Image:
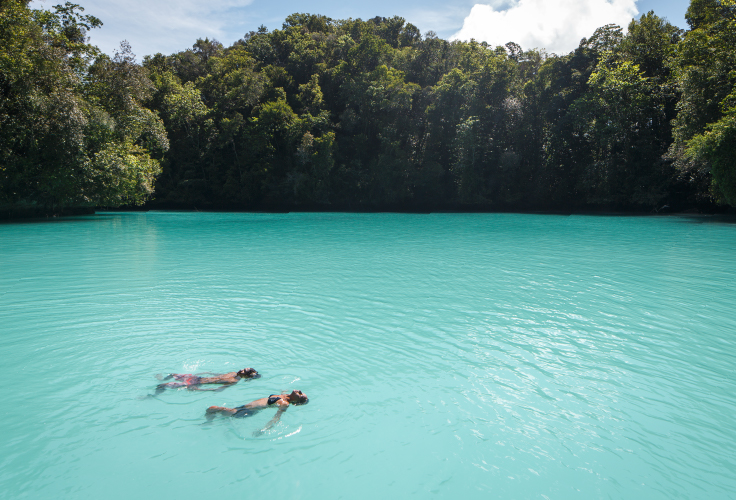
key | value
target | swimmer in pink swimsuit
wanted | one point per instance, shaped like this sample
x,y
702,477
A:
x,y
192,382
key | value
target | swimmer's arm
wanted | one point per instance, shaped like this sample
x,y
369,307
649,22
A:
x,y
274,420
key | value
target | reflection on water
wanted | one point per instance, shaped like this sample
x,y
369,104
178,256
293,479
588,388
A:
x,y
484,355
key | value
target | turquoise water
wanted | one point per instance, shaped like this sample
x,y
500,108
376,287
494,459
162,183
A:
x,y
445,355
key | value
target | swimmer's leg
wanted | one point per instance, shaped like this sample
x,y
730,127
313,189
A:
x,y
217,389
214,410
169,385
160,388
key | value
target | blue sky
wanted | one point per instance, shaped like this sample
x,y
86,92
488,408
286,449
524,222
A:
x,y
171,25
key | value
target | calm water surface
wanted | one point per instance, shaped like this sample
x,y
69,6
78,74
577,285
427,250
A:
x,y
445,356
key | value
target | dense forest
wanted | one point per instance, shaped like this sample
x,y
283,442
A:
x,y
327,114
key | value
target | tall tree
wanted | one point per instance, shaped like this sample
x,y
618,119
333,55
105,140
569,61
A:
x,y
72,134
704,148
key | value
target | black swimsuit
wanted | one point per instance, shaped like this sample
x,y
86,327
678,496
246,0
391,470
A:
x,y
242,411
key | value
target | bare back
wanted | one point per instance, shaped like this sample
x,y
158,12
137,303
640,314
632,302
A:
x,y
225,378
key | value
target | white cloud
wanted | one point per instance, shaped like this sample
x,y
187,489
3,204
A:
x,y
555,25
442,19
160,25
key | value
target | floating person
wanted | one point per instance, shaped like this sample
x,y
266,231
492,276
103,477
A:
x,y
281,401
193,382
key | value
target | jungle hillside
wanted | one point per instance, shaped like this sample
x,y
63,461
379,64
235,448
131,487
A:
x,y
326,114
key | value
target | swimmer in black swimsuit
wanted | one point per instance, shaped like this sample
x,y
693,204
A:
x,y
282,401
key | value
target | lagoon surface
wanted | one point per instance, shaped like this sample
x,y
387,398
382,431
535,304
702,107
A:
x,y
444,355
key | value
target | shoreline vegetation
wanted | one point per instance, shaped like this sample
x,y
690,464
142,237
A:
x,y
368,116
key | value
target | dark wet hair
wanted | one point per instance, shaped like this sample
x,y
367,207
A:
x,y
249,373
301,402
